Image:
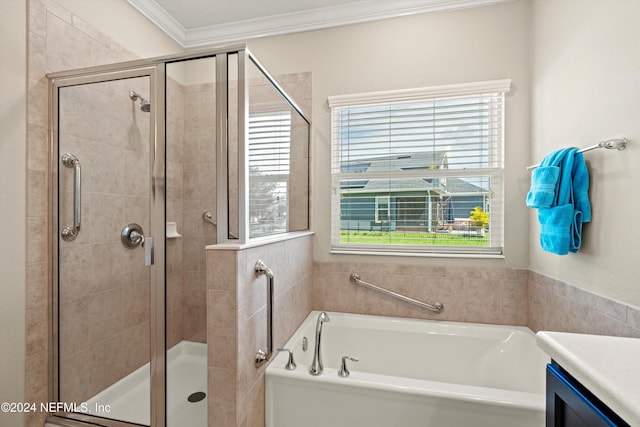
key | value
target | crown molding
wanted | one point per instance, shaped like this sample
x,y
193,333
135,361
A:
x,y
354,13
161,19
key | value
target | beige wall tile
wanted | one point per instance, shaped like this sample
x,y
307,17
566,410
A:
x,y
36,367
74,372
38,149
292,305
559,306
73,327
222,351
37,239
222,269
468,294
253,403
107,363
222,312
37,196
37,107
37,18
138,355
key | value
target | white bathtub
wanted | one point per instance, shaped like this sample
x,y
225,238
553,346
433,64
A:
x,y
410,373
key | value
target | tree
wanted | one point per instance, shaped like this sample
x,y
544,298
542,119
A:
x,y
478,217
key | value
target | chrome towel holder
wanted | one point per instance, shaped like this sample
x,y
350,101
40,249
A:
x,y
609,144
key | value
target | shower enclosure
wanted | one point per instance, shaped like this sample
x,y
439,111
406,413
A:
x,y
153,160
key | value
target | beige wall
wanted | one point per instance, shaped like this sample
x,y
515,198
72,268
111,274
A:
x,y
586,64
468,45
13,130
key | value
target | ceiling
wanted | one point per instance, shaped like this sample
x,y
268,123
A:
x,y
203,22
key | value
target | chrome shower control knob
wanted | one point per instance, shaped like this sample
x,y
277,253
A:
x,y
344,371
132,236
291,364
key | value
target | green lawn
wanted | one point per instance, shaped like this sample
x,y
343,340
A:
x,y
413,238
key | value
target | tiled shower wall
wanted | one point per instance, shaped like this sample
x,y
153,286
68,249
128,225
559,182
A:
x,y
199,192
104,287
191,179
175,274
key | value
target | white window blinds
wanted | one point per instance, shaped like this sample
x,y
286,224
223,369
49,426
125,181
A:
x,y
419,171
269,165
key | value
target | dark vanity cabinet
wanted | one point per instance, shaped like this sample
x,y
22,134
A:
x,y
570,404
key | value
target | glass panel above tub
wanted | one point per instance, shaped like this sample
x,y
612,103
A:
x,y
274,133
277,154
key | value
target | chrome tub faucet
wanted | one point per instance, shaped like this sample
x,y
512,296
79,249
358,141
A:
x,y
316,365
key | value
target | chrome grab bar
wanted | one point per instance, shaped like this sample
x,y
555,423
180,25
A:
x,y
70,233
435,307
263,356
209,218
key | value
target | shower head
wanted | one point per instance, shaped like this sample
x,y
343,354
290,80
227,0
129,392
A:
x,y
144,103
145,106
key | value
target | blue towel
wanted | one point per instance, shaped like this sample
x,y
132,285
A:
x,y
545,180
581,187
563,205
542,193
555,228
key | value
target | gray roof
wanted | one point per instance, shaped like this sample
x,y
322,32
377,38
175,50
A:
x,y
408,161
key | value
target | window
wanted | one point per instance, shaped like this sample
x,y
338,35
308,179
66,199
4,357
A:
x,y
419,171
382,209
269,161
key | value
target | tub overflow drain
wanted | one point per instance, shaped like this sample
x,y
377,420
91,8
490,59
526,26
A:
x,y
197,396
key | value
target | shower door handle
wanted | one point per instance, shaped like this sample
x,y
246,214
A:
x,y
69,234
149,255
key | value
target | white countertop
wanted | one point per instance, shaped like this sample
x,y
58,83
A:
x,y
608,366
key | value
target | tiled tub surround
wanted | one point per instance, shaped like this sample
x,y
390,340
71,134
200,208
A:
x,y
236,302
479,295
558,306
473,294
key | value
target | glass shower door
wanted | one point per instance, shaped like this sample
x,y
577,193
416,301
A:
x,y
105,276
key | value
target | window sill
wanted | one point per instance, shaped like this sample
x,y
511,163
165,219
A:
x,y
344,251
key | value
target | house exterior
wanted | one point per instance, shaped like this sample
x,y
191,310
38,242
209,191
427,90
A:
x,y
428,204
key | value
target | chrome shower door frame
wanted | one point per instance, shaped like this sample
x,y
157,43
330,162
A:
x,y
156,74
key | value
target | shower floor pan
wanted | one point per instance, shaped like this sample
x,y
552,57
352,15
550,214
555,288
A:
x,y
129,398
